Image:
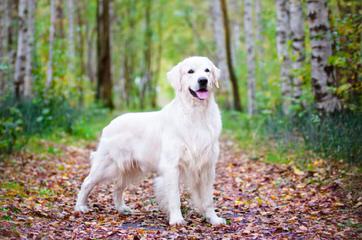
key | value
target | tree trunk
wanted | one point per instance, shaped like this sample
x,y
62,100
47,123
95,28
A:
x,y
250,51
147,78
81,45
4,61
29,49
283,35
104,78
219,36
71,41
51,43
322,73
259,29
20,64
298,48
159,53
235,27
90,33
59,19
233,79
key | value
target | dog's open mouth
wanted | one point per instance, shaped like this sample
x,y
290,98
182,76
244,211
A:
x,y
201,94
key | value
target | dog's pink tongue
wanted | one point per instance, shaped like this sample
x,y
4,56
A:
x,y
202,94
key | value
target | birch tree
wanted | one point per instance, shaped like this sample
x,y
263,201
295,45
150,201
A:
x,y
219,36
104,80
259,29
323,78
71,39
29,49
147,55
51,42
298,48
250,51
235,6
20,64
4,27
233,79
283,35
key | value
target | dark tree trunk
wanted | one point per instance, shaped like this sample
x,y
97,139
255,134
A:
x,y
104,80
233,79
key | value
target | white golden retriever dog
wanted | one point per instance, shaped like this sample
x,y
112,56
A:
x,y
179,143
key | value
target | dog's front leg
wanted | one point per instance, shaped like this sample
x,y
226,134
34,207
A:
x,y
206,190
167,187
207,202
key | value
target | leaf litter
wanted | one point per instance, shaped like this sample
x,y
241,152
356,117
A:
x,y
259,201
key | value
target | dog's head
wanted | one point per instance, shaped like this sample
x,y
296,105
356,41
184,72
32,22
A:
x,y
195,76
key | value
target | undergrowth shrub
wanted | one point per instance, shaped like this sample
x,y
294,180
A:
x,y
20,119
335,136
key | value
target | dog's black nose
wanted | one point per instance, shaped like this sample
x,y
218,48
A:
x,y
202,81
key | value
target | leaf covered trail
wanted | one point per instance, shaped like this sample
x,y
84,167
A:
x,y
259,201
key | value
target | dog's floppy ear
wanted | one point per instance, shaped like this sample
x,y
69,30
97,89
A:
x,y
174,77
216,74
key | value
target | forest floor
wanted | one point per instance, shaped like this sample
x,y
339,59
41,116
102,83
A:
x,y
259,201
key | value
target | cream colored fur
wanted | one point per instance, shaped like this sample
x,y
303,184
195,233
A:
x,y
178,143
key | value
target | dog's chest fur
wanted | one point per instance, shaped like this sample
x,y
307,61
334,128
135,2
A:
x,y
203,129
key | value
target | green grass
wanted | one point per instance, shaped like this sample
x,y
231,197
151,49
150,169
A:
x,y
280,139
249,132
87,128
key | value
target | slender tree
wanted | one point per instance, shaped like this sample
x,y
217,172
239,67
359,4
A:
x,y
259,29
29,49
71,40
4,30
104,78
51,43
323,78
221,62
283,35
298,48
59,19
235,6
250,51
147,55
159,50
20,65
233,79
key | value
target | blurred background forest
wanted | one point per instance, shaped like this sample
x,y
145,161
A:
x,y
290,68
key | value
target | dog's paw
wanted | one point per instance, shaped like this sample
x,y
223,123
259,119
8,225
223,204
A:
x,y
125,210
217,221
81,208
177,221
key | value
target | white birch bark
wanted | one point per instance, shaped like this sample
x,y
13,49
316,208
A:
x,y
221,62
4,26
250,51
283,34
235,27
259,28
298,46
323,77
51,43
20,63
29,49
71,39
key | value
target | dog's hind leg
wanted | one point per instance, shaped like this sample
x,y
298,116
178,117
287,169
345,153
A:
x,y
101,170
118,198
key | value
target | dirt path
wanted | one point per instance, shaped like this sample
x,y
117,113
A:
x,y
260,201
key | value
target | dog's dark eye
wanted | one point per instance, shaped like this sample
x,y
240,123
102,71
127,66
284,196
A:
x,y
191,71
207,70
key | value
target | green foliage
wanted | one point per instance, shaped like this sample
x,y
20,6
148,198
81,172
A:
x,y
20,119
336,137
347,58
281,139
